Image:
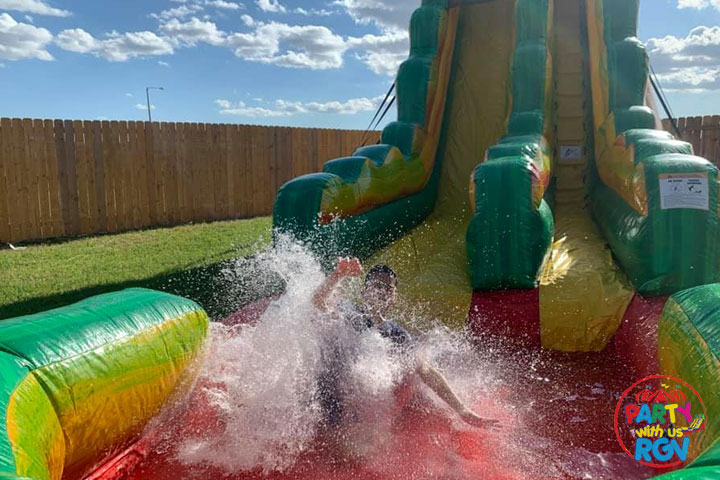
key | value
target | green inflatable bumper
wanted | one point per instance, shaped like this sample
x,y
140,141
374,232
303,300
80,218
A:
x,y
510,235
81,380
689,348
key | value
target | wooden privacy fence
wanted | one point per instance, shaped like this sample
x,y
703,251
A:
x,y
63,178
702,132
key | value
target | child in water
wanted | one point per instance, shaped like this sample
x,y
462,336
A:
x,y
379,294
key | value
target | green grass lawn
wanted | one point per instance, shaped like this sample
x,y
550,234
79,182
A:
x,y
50,275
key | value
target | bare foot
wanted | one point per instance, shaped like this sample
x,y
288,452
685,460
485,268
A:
x,y
472,418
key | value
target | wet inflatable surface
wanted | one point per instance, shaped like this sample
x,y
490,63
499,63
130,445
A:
x,y
556,422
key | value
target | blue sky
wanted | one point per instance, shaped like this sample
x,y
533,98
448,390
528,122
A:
x,y
276,62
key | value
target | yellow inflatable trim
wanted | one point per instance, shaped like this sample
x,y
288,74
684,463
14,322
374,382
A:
x,y
583,293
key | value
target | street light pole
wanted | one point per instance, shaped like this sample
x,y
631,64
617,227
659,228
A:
x,y
147,95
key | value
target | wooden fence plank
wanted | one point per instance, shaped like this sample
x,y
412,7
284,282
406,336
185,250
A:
x,y
32,175
207,148
61,153
179,166
695,126
173,177
126,189
93,217
193,171
160,149
190,179
283,157
112,176
44,180
184,187
151,173
72,181
6,184
99,174
133,166
38,162
228,133
244,190
141,175
51,165
208,160
184,174
81,176
30,179
219,187
18,213
272,166
258,168
215,159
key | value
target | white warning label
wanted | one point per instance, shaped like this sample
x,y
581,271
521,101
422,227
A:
x,y
688,190
570,152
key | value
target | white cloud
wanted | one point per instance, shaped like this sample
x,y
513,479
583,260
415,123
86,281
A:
x,y
273,6
21,40
699,4
284,108
299,46
382,53
193,31
393,15
163,64
77,40
143,106
33,6
313,11
224,5
178,12
117,47
314,47
691,62
128,94
691,79
247,20
317,47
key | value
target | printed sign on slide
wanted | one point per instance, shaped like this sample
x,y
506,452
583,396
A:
x,y
687,190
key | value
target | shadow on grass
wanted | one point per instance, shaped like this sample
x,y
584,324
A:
x,y
221,289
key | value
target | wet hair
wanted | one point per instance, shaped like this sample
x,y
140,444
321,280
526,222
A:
x,y
379,270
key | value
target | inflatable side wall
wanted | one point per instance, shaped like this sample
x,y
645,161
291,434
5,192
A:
x,y
363,202
689,348
80,381
511,231
654,201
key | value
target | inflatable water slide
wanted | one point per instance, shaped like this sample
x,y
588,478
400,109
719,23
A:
x,y
525,190
528,189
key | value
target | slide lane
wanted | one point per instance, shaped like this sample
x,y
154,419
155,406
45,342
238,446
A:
x,y
431,260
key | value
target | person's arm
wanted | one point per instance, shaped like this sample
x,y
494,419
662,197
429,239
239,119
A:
x,y
346,267
436,381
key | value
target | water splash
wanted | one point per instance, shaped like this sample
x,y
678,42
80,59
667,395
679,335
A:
x,y
262,379
259,383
